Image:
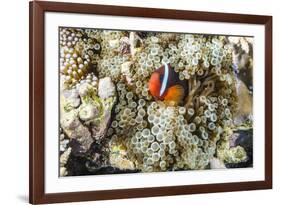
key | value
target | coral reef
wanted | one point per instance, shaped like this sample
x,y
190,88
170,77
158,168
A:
x,y
110,122
93,112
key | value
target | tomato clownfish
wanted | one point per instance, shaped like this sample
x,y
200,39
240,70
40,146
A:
x,y
165,85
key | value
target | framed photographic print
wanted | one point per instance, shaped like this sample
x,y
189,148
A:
x,y
138,102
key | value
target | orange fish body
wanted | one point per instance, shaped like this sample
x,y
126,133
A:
x,y
164,85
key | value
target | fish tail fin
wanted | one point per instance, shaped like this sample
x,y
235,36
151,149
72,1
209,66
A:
x,y
175,94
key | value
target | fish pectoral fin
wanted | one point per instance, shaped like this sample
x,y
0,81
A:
x,y
175,93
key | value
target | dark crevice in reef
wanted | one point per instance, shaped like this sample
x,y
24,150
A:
x,y
244,140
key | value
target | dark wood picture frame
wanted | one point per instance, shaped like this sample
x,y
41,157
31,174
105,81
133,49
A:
x,y
37,95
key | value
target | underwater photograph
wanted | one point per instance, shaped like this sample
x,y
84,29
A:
x,y
142,101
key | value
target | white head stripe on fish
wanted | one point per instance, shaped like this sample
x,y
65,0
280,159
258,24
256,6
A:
x,y
165,80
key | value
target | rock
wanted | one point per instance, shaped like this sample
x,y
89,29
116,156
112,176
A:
x,y
63,144
126,71
76,130
85,89
121,163
71,98
233,139
135,43
118,157
83,136
107,99
215,163
125,45
245,104
91,118
101,124
99,130
62,136
64,157
243,138
63,171
106,88
69,121
88,112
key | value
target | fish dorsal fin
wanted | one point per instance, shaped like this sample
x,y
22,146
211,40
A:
x,y
165,79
